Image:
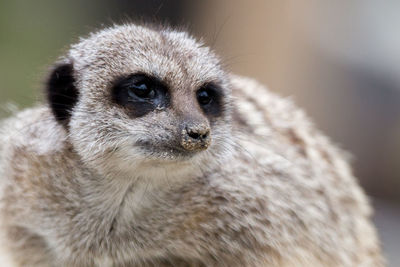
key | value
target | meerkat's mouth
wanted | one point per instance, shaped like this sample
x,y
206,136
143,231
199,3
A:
x,y
167,152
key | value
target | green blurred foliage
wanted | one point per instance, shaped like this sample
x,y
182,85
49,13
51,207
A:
x,y
32,36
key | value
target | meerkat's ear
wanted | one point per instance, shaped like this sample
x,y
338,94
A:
x,y
61,92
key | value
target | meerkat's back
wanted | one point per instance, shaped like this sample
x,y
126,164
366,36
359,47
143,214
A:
x,y
316,186
147,153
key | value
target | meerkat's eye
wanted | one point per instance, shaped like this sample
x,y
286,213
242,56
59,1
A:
x,y
209,97
204,97
142,89
139,94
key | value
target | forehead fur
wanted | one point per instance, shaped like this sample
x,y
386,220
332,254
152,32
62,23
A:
x,y
173,56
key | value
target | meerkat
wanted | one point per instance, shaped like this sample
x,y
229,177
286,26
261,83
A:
x,y
149,153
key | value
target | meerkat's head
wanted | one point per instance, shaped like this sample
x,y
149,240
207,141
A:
x,y
142,101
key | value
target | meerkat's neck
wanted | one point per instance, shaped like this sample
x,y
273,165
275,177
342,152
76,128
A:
x,y
123,199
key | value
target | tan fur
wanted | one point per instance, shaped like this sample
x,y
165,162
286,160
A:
x,y
270,189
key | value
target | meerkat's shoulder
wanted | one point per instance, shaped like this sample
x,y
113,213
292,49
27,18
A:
x,y
275,108
33,130
266,111
288,131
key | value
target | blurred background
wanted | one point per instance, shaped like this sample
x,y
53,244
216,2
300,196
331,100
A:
x,y
339,60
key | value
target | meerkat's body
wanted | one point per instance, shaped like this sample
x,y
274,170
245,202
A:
x,y
265,189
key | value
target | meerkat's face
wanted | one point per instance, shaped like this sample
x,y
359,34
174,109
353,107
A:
x,y
134,99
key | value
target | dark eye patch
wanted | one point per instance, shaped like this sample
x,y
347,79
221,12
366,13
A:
x,y
209,96
140,94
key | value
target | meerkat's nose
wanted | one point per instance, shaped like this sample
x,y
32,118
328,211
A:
x,y
195,137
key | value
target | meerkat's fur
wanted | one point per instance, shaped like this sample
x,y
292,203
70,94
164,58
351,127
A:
x,y
99,176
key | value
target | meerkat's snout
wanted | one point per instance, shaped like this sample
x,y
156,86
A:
x,y
195,136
